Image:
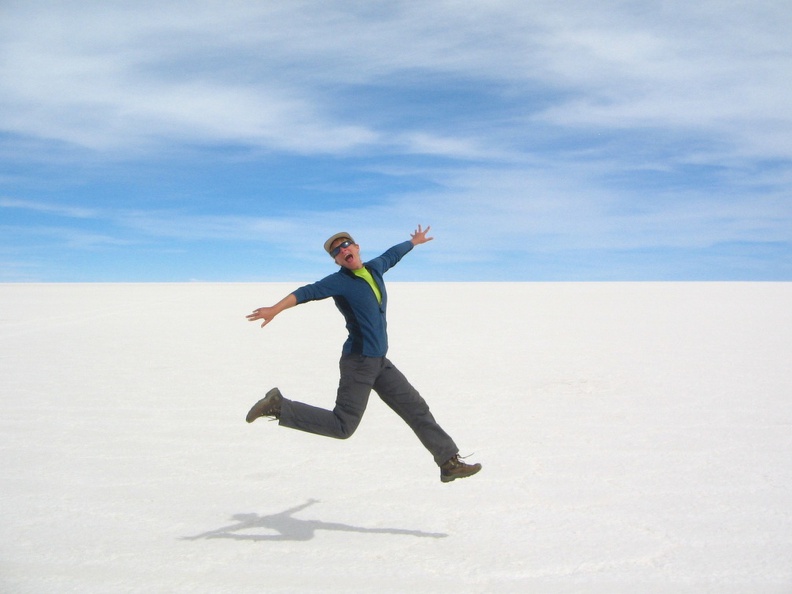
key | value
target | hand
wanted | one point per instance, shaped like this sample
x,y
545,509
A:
x,y
262,313
420,235
268,313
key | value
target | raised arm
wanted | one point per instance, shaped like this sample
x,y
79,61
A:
x,y
268,313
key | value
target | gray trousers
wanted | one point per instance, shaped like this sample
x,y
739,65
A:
x,y
360,375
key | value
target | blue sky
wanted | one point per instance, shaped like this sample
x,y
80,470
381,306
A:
x,y
541,140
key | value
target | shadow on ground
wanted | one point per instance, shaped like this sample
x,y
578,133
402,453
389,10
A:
x,y
284,526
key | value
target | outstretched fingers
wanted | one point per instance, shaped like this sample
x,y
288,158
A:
x,y
420,235
261,313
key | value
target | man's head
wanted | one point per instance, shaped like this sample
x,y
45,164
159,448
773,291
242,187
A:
x,y
343,249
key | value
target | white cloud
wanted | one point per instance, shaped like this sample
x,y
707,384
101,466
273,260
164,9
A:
x,y
103,76
76,212
547,121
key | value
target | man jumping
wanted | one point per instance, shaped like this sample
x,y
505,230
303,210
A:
x,y
358,290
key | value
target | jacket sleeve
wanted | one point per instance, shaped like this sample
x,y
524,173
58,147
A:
x,y
391,257
322,289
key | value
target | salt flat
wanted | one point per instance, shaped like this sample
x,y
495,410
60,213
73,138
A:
x,y
635,437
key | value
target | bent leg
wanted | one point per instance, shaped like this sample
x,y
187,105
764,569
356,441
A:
x,y
394,389
354,387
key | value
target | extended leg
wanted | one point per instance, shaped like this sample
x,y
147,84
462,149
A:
x,y
399,394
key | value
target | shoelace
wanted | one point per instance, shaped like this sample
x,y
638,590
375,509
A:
x,y
456,461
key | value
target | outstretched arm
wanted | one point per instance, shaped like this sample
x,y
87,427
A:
x,y
420,235
268,313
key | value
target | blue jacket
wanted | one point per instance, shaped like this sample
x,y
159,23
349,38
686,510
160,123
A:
x,y
365,317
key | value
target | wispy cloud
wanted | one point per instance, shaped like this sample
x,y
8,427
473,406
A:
x,y
98,76
48,208
545,126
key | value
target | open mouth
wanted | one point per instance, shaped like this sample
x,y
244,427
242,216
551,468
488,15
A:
x,y
348,258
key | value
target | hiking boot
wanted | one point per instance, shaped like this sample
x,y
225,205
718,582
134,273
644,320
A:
x,y
269,406
454,468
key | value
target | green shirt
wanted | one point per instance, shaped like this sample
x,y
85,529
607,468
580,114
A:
x,y
366,276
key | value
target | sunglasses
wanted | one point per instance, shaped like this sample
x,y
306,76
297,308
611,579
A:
x,y
337,249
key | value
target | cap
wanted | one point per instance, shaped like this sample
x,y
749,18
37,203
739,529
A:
x,y
330,241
